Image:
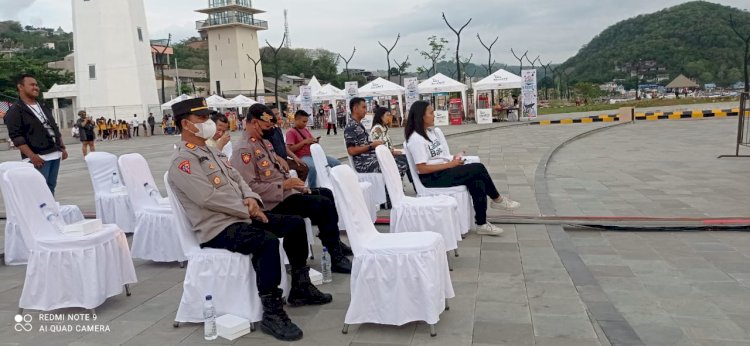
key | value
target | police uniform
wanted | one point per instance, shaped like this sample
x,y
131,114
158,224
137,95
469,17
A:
x,y
212,194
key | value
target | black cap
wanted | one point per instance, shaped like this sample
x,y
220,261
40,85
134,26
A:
x,y
197,106
260,112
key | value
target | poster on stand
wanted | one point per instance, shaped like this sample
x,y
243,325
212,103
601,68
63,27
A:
x,y
441,118
529,93
412,92
484,116
306,101
352,90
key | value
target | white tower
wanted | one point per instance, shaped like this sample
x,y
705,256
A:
x,y
232,32
114,71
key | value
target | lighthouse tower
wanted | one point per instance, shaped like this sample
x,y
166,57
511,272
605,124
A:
x,y
113,65
232,33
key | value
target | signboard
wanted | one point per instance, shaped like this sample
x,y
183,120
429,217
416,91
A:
x,y
306,100
412,92
441,118
529,93
484,116
367,121
352,90
261,99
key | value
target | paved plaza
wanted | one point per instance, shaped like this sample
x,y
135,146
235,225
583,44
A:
x,y
537,284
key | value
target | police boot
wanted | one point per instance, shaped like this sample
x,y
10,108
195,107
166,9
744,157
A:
x,y
345,249
275,320
303,292
339,262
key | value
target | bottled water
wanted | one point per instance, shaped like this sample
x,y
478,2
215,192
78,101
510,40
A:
x,y
152,192
209,319
52,217
115,179
325,264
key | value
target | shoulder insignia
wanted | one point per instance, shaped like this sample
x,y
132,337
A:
x,y
246,158
184,166
252,139
268,172
269,145
217,180
257,151
211,166
264,163
190,146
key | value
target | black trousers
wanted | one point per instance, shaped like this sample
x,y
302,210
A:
x,y
331,125
135,130
261,241
152,129
475,177
320,208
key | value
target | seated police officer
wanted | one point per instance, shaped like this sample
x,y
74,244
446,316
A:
x,y
226,214
257,162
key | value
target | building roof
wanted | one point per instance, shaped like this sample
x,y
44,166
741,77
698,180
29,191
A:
x,y
58,91
682,82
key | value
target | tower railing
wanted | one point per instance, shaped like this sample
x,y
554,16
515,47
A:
x,y
232,19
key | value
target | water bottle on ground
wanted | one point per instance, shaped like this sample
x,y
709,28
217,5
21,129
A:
x,y
209,319
115,179
152,192
52,217
325,264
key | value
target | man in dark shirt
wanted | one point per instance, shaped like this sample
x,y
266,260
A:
x,y
276,137
151,122
357,138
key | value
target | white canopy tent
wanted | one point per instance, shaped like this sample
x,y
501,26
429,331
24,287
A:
x,y
216,101
177,99
329,92
501,79
314,85
241,101
383,88
441,83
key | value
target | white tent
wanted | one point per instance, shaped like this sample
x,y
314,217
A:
x,y
329,92
381,87
441,83
314,85
180,98
501,79
216,101
241,101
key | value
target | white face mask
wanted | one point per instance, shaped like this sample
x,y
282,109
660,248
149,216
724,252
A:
x,y
205,130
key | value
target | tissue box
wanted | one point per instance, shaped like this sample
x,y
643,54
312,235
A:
x,y
471,159
118,190
316,277
82,227
232,327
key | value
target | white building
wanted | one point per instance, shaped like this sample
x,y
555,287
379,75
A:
x,y
113,66
232,33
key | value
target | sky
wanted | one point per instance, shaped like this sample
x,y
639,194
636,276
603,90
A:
x,y
552,29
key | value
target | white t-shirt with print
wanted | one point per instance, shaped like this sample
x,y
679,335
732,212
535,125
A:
x,y
432,152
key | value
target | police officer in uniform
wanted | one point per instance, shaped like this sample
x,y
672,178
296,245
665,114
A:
x,y
226,214
257,162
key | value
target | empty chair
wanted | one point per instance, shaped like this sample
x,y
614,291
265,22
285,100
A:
x,y
376,179
64,271
112,201
228,276
396,278
324,180
16,251
156,235
460,193
409,214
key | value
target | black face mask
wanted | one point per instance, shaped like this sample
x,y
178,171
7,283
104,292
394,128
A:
x,y
267,134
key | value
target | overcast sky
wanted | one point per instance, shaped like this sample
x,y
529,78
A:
x,y
551,28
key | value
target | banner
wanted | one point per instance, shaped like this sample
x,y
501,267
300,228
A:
x,y
412,92
484,116
261,99
306,101
441,118
352,90
529,93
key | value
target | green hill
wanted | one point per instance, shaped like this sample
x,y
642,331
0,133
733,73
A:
x,y
694,39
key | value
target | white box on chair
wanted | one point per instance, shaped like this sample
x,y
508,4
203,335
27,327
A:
x,y
82,227
232,327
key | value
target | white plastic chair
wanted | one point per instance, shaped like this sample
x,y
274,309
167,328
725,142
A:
x,y
156,235
64,271
323,179
16,251
112,206
460,193
376,179
396,278
228,276
409,214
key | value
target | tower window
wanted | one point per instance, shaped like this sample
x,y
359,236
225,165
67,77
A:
x,y
92,71
140,34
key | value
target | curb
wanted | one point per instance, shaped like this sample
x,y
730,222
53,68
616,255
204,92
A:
x,y
648,116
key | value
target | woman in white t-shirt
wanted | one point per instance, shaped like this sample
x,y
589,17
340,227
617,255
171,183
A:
x,y
438,168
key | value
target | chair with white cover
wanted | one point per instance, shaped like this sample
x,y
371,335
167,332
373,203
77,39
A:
x,y
396,278
460,193
111,197
409,214
323,179
228,276
65,271
16,251
376,179
155,235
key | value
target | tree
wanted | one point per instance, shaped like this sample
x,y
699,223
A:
x,y
402,69
255,67
388,53
520,60
745,37
464,64
347,61
532,62
435,52
458,43
545,80
11,67
276,70
489,53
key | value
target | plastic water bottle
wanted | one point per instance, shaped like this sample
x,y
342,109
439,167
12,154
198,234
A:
x,y
52,217
325,264
115,179
209,319
152,192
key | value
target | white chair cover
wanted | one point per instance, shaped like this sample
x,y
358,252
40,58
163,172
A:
x,y
459,193
65,271
410,214
228,276
16,251
396,278
324,180
111,207
156,234
376,179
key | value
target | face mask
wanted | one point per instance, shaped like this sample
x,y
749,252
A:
x,y
267,134
205,130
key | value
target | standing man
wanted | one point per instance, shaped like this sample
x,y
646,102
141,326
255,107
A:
x,y
226,214
151,122
85,132
135,124
331,120
357,139
34,132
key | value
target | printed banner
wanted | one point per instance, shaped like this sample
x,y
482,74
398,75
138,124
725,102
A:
x,y
529,93
261,99
484,116
412,92
306,100
441,118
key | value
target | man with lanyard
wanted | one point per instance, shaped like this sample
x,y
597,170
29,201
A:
x,y
225,213
34,132
259,165
357,139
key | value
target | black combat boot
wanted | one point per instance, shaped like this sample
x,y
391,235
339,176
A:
x,y
303,292
275,320
345,249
